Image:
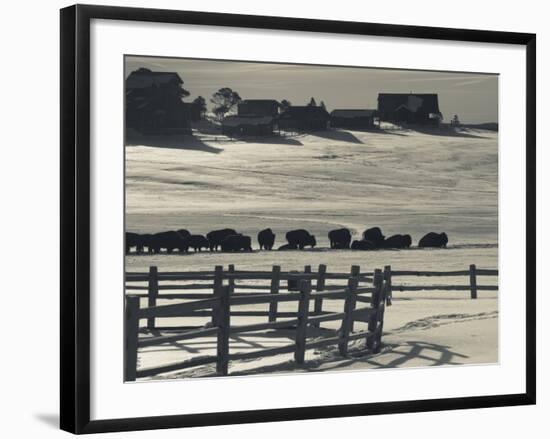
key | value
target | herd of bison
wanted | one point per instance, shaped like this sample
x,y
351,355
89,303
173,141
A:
x,y
229,240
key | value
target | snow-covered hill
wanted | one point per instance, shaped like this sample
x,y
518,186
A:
x,y
403,181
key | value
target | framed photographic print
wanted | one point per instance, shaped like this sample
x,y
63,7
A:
x,y
272,218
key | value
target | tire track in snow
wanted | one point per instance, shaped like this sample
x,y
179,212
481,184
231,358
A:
x,y
442,320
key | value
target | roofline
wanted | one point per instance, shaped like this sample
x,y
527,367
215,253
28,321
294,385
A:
x,y
408,94
306,106
354,109
156,73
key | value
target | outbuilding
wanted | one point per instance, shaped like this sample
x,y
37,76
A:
x,y
304,118
258,107
235,126
360,119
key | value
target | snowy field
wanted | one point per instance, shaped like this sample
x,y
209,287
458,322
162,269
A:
x,y
402,181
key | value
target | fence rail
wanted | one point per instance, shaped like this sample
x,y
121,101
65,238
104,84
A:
x,y
473,273
156,286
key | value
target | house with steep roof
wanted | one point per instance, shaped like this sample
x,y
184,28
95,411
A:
x,y
154,103
409,108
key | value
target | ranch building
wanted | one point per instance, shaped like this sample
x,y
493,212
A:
x,y
236,126
258,107
306,118
409,108
361,119
154,105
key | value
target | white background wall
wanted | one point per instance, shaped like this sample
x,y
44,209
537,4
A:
x,y
29,184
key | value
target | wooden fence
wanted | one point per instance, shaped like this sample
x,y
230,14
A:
x,y
472,274
212,294
219,305
204,284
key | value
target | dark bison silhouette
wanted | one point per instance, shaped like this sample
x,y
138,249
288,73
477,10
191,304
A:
x,y
196,242
398,241
339,238
133,240
375,236
363,245
216,237
169,240
300,238
184,232
288,247
235,243
433,239
266,239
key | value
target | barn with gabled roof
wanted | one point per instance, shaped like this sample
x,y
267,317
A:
x,y
409,108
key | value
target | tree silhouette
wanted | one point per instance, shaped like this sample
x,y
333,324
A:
x,y
322,105
220,112
285,104
312,103
224,100
200,105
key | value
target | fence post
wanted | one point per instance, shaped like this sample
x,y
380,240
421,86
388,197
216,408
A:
x,y
218,280
231,270
320,286
380,314
152,293
303,314
387,278
275,282
131,338
347,320
355,271
375,304
222,364
473,282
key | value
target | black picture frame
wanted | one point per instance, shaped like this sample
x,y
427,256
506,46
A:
x,y
75,217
